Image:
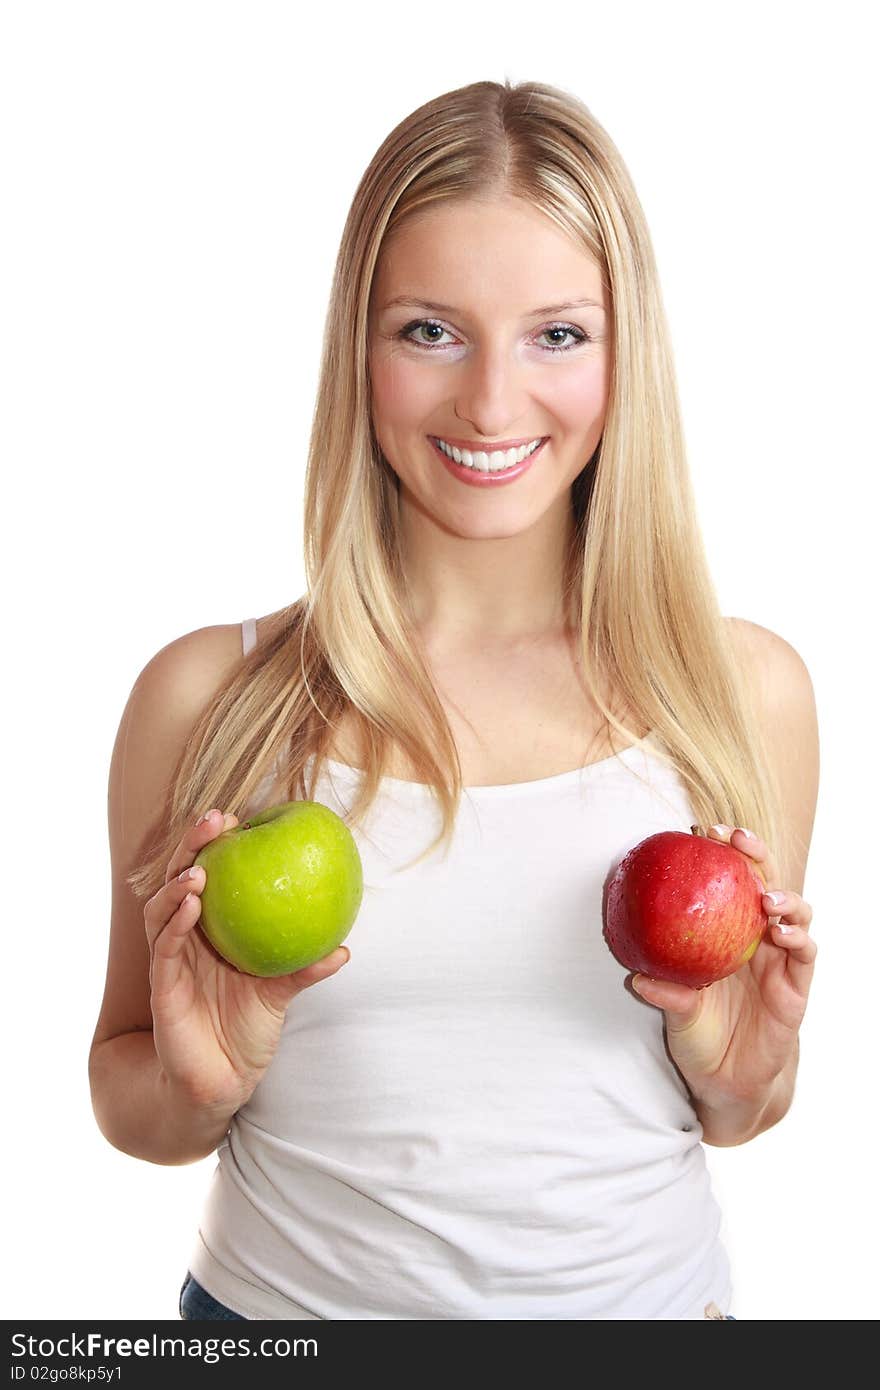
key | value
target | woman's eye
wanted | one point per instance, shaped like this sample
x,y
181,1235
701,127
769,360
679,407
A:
x,y
429,325
568,330
411,328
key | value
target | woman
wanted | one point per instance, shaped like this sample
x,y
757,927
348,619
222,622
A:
x,y
509,668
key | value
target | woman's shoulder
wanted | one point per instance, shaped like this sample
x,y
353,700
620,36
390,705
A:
x,y
191,668
786,706
213,646
752,635
219,646
778,678
205,658
778,668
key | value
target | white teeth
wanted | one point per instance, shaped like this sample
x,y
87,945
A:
x,y
488,463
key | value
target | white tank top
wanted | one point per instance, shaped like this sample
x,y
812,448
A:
x,y
474,1119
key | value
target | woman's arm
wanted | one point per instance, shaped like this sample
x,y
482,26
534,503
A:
x,y
787,705
138,1111
134,1105
735,1043
735,1122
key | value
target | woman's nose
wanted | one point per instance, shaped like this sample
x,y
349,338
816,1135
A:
x,y
490,392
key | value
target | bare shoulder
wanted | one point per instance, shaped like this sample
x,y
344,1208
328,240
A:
x,y
786,703
179,682
166,702
776,667
195,663
201,660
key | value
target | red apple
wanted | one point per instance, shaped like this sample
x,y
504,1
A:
x,y
684,908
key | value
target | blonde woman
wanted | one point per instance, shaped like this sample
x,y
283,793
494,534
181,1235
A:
x,y
509,668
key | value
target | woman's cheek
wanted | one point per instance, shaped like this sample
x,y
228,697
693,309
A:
x,y
402,392
579,396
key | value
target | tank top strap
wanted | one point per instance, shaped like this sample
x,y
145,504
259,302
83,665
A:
x,y
248,635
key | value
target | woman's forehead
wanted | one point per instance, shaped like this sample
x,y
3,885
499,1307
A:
x,y
459,258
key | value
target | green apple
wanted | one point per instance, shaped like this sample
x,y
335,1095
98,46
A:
x,y
282,889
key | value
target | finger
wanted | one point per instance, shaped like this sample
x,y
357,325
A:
x,y
179,925
790,907
681,1003
719,832
165,905
167,944
801,951
320,969
280,990
206,828
751,844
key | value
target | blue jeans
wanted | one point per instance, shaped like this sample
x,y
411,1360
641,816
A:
x,y
195,1304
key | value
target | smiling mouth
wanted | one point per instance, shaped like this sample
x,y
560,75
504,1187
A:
x,y
488,461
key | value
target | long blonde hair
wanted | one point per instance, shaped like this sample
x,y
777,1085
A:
x,y
637,584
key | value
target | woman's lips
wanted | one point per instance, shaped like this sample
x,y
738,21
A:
x,y
477,478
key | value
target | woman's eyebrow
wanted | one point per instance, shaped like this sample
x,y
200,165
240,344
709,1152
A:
x,y
413,301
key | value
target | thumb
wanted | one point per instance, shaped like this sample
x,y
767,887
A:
x,y
280,990
681,1004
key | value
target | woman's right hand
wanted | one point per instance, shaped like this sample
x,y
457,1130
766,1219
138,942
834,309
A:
x,y
215,1029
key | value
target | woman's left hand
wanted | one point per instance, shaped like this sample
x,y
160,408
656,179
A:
x,y
731,1040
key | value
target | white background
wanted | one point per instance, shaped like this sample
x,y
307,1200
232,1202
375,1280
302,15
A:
x,y
175,179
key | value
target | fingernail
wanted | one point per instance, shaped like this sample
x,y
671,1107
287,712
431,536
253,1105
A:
x,y
188,873
749,834
782,929
722,829
207,816
774,898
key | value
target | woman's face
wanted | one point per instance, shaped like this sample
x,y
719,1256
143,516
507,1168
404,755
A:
x,y
493,365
